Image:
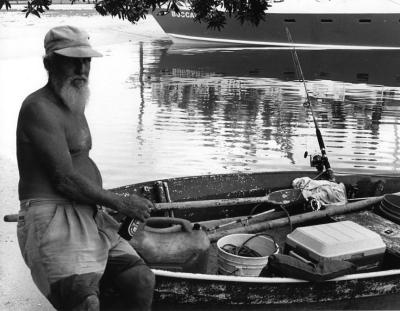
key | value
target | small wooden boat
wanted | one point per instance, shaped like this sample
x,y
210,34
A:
x,y
226,195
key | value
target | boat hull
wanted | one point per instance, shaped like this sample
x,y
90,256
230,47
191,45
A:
x,y
189,289
184,288
337,30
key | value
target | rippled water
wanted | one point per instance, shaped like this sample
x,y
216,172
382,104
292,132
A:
x,y
223,110
159,110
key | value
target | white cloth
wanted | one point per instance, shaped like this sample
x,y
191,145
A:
x,y
325,191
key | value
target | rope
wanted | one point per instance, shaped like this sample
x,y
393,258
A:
x,y
288,216
254,209
243,250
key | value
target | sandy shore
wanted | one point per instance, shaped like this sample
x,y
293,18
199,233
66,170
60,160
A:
x,y
18,291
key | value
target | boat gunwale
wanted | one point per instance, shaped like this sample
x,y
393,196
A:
x,y
277,280
338,173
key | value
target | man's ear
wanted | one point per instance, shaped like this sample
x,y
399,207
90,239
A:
x,y
46,63
49,62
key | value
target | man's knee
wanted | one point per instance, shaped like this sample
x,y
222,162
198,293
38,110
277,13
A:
x,y
90,303
146,278
142,278
137,284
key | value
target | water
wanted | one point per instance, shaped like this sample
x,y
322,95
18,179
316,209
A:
x,y
160,110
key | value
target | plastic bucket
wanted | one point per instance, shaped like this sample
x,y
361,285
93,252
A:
x,y
231,264
390,207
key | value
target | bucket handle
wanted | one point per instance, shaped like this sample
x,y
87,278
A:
x,y
185,225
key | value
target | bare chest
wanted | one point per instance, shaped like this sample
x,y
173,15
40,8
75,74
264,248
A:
x,y
78,135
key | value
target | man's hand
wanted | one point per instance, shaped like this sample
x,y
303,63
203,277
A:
x,y
137,207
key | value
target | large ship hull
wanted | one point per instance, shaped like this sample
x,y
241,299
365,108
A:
x,y
319,29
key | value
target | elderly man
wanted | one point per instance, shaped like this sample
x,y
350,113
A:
x,y
65,236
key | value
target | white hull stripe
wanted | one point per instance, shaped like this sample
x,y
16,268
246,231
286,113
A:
x,y
227,278
300,45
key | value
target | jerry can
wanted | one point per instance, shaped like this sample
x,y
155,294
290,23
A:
x,y
172,244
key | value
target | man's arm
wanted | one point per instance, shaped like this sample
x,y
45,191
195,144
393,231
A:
x,y
42,125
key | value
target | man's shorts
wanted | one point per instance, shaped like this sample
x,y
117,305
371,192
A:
x,y
67,246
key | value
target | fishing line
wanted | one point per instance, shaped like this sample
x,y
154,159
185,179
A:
x,y
321,143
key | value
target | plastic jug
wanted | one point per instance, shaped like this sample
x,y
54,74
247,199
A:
x,y
172,244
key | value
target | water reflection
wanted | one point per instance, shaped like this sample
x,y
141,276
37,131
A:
x,y
159,110
352,66
241,109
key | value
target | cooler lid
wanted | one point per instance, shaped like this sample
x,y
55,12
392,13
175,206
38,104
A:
x,y
337,239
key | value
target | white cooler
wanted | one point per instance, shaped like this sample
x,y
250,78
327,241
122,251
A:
x,y
344,240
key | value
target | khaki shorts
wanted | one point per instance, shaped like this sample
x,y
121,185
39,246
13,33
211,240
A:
x,y
67,246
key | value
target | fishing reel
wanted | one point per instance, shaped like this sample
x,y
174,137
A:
x,y
316,161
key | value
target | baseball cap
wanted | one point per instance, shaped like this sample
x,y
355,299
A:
x,y
69,41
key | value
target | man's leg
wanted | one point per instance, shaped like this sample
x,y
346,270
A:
x,y
62,247
136,285
76,293
129,274
91,303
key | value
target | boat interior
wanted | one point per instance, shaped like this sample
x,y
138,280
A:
x,y
373,219
272,218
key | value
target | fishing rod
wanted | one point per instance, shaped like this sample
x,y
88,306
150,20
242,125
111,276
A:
x,y
299,71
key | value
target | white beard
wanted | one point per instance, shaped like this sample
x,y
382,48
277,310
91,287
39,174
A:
x,y
74,97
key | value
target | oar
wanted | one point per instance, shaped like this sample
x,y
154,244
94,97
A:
x,y
330,210
286,197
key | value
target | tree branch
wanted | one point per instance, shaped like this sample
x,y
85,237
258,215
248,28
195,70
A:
x,y
212,12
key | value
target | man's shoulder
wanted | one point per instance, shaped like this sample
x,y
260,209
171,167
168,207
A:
x,y
40,107
42,101
39,98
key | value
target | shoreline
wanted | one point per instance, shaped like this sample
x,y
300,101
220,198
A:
x,y
19,293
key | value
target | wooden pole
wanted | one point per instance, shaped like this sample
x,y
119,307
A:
x,y
279,197
11,218
189,205
210,203
330,210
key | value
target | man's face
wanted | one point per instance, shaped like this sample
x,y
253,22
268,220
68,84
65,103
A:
x,y
72,70
69,76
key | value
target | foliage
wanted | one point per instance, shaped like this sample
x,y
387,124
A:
x,y
212,12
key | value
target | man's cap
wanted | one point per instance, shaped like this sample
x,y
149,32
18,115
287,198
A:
x,y
69,41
